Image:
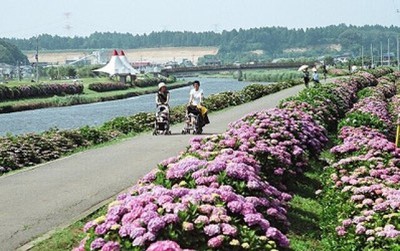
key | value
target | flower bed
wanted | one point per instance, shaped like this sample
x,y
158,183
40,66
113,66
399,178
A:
x,y
362,195
215,195
39,90
338,72
146,82
26,150
328,103
227,191
104,87
372,110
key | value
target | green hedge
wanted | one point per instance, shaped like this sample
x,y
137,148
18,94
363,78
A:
x,y
149,81
105,87
39,90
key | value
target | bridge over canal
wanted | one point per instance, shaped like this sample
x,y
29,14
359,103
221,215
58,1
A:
x,y
235,68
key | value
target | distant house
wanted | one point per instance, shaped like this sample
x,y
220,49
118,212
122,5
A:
x,y
171,64
78,62
212,62
388,58
6,68
343,58
6,71
186,63
140,64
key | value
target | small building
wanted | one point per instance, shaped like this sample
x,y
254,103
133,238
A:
x,y
140,64
343,58
78,62
6,71
186,63
212,62
171,64
388,58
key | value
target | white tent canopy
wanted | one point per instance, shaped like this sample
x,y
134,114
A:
x,y
126,63
116,67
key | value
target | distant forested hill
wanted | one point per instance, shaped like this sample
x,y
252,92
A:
x,y
10,54
266,42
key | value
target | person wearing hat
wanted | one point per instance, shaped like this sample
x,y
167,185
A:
x,y
315,76
162,97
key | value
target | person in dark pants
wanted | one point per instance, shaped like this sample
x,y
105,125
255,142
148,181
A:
x,y
195,104
306,77
325,71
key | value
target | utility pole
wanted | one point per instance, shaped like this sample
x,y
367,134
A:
x,y
362,56
37,59
388,54
19,71
372,56
398,55
381,54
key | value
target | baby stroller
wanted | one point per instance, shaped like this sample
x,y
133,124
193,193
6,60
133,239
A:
x,y
192,122
161,125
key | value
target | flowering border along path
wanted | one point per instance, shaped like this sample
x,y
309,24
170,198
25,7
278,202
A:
x,y
362,192
228,191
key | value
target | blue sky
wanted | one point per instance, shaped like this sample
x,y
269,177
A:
x,y
26,18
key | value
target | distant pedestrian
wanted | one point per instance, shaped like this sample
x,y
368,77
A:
x,y
325,71
306,77
315,76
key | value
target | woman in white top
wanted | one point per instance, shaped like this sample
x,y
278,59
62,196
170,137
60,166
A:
x,y
196,94
195,103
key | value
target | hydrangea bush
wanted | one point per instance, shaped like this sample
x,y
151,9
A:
x,y
227,191
362,192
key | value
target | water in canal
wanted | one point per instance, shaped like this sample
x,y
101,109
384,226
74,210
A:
x,y
98,113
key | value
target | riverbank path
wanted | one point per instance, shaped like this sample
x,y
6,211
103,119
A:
x,y
37,200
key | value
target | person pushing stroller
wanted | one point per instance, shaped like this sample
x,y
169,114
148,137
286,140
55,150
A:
x,y
162,97
196,108
162,122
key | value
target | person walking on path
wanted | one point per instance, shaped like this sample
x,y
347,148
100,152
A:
x,y
306,77
195,106
325,71
315,76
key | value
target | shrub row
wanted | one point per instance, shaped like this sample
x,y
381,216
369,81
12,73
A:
x,y
227,191
146,82
338,72
272,76
332,100
361,196
247,94
31,149
27,150
105,87
39,90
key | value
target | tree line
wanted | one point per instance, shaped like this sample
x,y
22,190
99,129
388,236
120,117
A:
x,y
10,54
272,41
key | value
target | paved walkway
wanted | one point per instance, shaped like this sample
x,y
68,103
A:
x,y
37,200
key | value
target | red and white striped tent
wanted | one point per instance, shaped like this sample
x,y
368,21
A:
x,y
126,63
118,66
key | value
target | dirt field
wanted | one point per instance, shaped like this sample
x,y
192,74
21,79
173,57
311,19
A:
x,y
157,55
